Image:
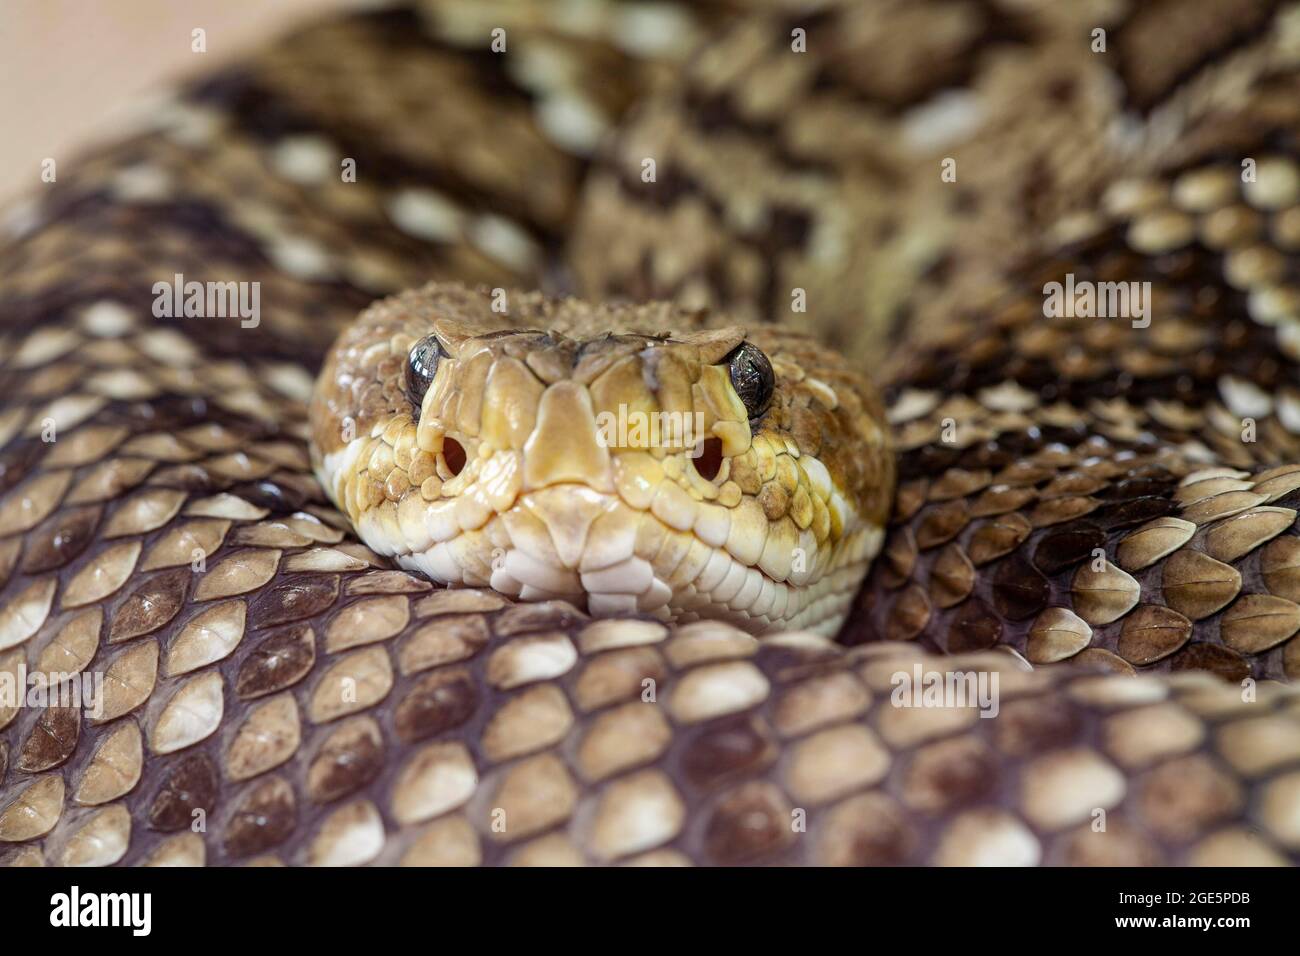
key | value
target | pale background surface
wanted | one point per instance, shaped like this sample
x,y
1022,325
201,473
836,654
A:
x,y
69,68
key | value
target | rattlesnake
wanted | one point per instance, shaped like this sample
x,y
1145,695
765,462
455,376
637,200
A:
x,y
1094,511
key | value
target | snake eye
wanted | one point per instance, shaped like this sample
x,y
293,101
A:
x,y
421,365
752,377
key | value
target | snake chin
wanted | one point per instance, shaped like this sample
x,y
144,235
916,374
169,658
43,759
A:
x,y
591,548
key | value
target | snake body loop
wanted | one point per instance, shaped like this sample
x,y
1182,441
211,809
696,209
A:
x,y
662,645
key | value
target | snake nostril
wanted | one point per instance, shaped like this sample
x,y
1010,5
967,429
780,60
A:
x,y
709,462
453,453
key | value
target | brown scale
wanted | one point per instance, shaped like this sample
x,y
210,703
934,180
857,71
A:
x,y
451,722
299,92
754,138
1089,512
454,721
476,731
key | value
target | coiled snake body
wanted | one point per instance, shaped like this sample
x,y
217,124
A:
x,y
643,660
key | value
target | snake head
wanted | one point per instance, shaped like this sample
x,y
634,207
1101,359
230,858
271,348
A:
x,y
626,459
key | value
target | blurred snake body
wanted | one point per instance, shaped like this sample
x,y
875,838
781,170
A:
x,y
389,573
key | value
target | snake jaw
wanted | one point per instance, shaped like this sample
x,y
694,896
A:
x,y
564,494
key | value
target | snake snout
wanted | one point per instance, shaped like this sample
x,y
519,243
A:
x,y
565,444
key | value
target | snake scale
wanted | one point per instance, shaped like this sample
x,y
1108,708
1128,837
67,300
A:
x,y
1100,513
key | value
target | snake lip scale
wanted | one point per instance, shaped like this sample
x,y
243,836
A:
x,y
657,442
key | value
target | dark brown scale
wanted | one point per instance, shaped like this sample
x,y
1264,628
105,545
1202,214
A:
x,y
929,460
1019,444
1289,500
1184,795
1152,632
189,784
280,660
351,756
293,600
1226,663
171,413
278,497
1019,591
786,663
1139,487
52,740
753,820
1033,725
946,775
997,537
1067,547
263,818
150,606
531,618
17,461
975,627
872,831
438,702
911,611
940,523
989,455
60,538
727,749
1136,511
